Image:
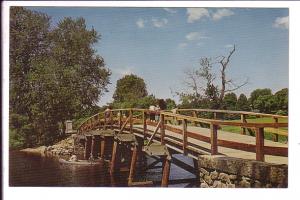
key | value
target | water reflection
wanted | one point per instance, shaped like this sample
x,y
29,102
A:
x,y
33,170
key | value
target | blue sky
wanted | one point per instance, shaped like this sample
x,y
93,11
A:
x,y
158,44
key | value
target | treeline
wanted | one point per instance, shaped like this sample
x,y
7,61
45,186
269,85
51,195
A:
x,y
260,100
55,75
131,92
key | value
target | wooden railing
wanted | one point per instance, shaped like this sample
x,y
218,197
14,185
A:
x,y
242,117
125,119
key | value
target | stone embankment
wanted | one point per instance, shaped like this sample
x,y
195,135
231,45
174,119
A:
x,y
64,148
228,172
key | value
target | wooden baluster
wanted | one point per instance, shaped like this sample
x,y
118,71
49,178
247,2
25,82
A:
x,y
166,172
111,119
162,129
214,138
243,120
184,136
194,115
215,115
145,125
104,121
131,121
275,135
260,144
120,120
132,165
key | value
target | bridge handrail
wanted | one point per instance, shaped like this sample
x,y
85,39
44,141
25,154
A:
x,y
234,112
213,124
204,120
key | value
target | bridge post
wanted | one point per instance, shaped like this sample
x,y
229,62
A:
x,y
114,158
105,122
120,119
87,148
275,136
214,139
166,172
132,165
243,120
111,119
260,156
131,121
162,129
184,135
145,125
194,115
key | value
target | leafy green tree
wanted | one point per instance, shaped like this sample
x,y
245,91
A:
x,y
242,103
130,88
170,104
256,93
265,103
55,74
282,100
230,101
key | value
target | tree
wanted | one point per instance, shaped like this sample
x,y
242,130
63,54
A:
x,y
282,100
170,104
257,93
265,104
130,88
202,81
242,103
60,72
230,101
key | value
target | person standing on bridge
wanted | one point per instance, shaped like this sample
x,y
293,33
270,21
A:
x,y
107,114
152,113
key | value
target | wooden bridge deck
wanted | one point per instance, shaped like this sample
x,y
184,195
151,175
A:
x,y
228,136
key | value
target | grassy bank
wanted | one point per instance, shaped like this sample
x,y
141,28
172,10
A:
x,y
269,132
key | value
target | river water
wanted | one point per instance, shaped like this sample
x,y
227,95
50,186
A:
x,y
34,170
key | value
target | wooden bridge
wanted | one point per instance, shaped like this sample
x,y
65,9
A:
x,y
191,132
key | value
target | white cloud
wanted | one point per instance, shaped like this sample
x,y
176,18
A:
x,y
182,45
123,71
195,14
229,46
195,36
282,22
220,13
140,23
159,22
170,10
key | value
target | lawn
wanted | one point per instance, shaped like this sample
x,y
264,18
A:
x,y
268,131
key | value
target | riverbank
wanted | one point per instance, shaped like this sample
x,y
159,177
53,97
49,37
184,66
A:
x,y
62,148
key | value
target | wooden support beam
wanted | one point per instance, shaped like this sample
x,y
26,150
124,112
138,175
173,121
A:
x,y
87,147
145,125
260,156
131,121
162,129
275,136
184,136
166,172
214,139
102,148
132,165
111,119
92,147
115,158
120,119
194,115
124,125
243,120
154,133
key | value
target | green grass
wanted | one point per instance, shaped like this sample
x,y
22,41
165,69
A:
x,y
268,135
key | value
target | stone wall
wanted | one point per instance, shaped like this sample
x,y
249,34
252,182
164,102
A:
x,y
227,172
